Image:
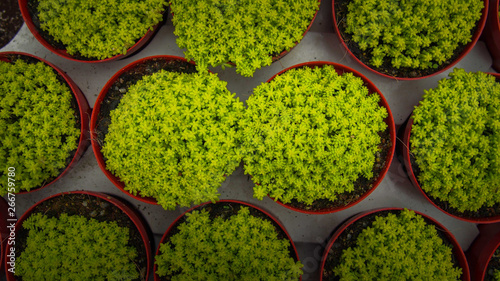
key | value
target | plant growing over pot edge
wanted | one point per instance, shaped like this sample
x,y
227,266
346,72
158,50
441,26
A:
x,y
455,139
409,39
312,134
393,244
226,241
181,130
38,123
246,33
79,25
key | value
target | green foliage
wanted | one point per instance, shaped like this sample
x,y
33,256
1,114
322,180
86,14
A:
x,y
37,124
456,140
398,247
418,34
99,28
175,137
311,134
243,247
74,248
245,32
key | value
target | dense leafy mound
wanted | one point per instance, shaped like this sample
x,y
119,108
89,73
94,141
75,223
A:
x,y
311,134
455,138
175,137
37,124
245,32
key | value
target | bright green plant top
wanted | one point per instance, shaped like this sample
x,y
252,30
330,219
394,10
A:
x,y
418,34
99,28
74,248
455,139
37,124
175,137
311,134
245,32
398,247
242,247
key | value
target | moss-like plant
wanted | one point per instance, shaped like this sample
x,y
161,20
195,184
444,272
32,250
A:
x,y
98,29
37,124
174,136
398,247
242,247
246,32
311,134
455,139
74,248
411,33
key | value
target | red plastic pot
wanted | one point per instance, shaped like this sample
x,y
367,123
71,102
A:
x,y
133,215
23,4
482,249
466,50
173,225
405,151
96,146
492,34
388,120
457,250
4,231
84,111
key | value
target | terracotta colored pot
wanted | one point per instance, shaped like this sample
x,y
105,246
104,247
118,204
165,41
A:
x,y
407,158
84,112
492,34
132,214
174,226
23,4
388,120
482,249
94,123
457,250
466,50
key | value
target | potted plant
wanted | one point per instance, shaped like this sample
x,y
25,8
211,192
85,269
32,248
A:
x,y
318,137
10,21
393,244
492,33
93,31
408,39
162,131
452,145
229,240
484,253
248,34
43,122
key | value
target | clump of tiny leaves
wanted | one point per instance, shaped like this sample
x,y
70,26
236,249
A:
x,y
416,34
242,247
174,136
99,29
37,124
455,139
311,134
73,248
398,247
245,32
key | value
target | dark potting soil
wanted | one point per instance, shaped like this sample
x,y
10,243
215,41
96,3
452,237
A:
x,y
90,207
122,84
349,236
484,212
493,266
74,106
225,210
341,11
362,185
11,21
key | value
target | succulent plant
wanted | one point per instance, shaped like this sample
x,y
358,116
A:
x,y
311,134
455,139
